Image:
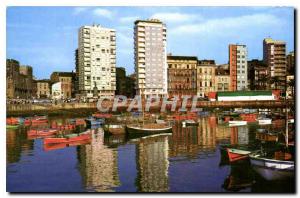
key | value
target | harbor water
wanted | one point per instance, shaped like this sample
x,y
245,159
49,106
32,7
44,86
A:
x,y
187,160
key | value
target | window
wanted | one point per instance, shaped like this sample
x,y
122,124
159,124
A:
x,y
97,59
103,50
98,78
103,68
97,46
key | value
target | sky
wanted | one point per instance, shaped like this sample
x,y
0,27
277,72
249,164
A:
x,y
46,37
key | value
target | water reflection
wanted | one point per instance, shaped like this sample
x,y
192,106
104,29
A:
x,y
156,163
98,164
152,164
17,143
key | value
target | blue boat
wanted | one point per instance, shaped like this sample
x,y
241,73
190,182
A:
x,y
91,121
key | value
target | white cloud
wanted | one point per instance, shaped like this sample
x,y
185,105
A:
x,y
103,13
228,25
128,19
177,17
78,10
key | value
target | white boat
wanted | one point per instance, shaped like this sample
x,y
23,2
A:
x,y
237,122
272,169
264,121
290,121
148,128
189,123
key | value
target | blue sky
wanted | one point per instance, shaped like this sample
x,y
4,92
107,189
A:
x,y
46,37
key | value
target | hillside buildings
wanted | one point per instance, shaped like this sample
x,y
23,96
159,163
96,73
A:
x,y
43,88
150,57
96,61
66,80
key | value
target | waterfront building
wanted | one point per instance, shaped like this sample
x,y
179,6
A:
x,y
258,75
290,90
121,81
150,57
56,90
182,75
43,88
152,163
206,70
290,63
96,61
222,82
238,67
76,77
19,80
67,82
274,56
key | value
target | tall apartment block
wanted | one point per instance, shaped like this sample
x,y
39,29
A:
x,y
150,57
96,61
238,67
274,56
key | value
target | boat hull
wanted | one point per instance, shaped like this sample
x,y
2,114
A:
x,y
236,154
237,123
271,169
136,129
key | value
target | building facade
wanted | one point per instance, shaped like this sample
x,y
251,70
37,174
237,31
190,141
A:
x,y
206,70
150,57
238,67
222,82
290,63
182,75
274,55
258,75
97,61
19,80
67,82
121,81
43,88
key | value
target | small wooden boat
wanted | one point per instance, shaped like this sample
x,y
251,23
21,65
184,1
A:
x,y
115,129
91,121
237,122
49,147
264,121
39,121
266,136
41,133
63,127
12,121
68,138
102,115
272,169
189,123
8,126
148,128
237,154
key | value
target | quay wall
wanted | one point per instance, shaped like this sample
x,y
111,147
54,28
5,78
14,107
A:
x,y
87,108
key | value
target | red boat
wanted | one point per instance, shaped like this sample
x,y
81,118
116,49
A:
x,y
237,154
49,147
249,117
42,132
68,139
63,127
12,121
102,115
39,121
80,122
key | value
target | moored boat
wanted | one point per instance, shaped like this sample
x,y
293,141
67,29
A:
x,y
68,138
237,122
237,154
8,126
272,169
115,129
41,133
148,128
264,121
91,121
